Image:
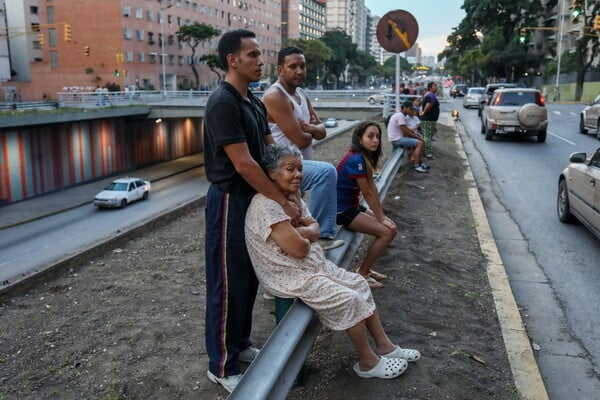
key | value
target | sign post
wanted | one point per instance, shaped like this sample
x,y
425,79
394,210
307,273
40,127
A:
x,y
397,31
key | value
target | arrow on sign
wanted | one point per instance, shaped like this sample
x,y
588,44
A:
x,y
401,33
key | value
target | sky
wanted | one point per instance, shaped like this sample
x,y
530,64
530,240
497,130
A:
x,y
436,19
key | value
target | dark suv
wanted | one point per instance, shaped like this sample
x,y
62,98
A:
x,y
458,91
490,88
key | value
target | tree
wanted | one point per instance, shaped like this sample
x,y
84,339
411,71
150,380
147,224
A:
x,y
194,35
587,45
493,27
213,62
344,52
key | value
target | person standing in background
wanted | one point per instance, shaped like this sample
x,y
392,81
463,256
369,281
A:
x,y
236,133
429,114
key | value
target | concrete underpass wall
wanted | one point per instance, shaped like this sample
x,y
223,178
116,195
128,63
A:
x,y
38,159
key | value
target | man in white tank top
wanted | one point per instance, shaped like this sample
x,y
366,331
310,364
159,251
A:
x,y
293,120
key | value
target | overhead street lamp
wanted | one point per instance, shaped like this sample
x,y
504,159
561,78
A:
x,y
163,56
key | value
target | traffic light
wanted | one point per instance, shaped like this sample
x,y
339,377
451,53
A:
x,y
522,36
67,33
597,23
41,39
575,11
117,72
86,51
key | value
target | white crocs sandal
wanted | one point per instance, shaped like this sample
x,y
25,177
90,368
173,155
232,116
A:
x,y
386,368
410,355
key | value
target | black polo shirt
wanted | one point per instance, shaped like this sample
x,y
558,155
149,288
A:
x,y
229,119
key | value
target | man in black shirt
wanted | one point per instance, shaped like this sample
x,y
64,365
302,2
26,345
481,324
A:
x,y
430,112
236,132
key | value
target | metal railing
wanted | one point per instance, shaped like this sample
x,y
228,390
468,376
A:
x,y
271,375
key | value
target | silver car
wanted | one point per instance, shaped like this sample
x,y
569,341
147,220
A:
x,y
579,191
519,111
473,97
589,119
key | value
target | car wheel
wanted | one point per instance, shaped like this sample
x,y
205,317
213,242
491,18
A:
x,y
123,203
541,136
598,130
145,196
489,134
581,125
482,127
371,101
562,203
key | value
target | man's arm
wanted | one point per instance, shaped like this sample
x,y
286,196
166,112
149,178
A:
x,y
318,130
407,132
250,170
281,111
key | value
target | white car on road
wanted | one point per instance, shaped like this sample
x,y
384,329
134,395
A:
x,y
121,192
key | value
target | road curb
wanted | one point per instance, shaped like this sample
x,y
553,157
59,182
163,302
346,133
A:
x,y
526,374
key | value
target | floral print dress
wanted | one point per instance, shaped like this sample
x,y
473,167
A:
x,y
340,298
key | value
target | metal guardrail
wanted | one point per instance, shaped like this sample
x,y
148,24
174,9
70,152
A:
x,y
271,375
185,97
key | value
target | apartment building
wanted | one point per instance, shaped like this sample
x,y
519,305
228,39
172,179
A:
x,y
302,19
78,45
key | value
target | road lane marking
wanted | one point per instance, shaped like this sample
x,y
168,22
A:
x,y
562,138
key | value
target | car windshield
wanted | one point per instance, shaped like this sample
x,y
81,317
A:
x,y
117,186
476,91
515,98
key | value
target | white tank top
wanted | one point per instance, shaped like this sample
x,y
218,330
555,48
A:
x,y
300,112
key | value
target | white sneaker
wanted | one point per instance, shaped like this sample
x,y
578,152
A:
x,y
228,382
248,355
328,244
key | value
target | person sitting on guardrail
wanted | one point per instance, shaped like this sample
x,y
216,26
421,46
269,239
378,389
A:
x,y
402,132
289,264
355,177
293,120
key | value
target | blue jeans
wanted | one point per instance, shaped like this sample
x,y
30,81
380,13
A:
x,y
320,179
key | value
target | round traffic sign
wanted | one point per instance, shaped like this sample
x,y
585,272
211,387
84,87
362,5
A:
x,y
397,31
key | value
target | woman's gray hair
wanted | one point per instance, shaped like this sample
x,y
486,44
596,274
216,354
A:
x,y
277,152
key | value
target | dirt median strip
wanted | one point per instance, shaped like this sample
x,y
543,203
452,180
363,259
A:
x,y
129,323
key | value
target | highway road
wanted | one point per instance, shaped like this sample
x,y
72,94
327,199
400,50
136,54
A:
x,y
554,268
32,247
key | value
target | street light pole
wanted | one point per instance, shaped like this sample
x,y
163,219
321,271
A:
x,y
163,56
561,27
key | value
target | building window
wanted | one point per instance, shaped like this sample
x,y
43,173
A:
x,y
141,56
50,14
127,33
33,10
153,58
180,60
52,37
150,16
151,38
139,34
53,59
127,11
138,13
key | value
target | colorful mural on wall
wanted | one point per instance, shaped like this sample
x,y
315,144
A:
x,y
40,159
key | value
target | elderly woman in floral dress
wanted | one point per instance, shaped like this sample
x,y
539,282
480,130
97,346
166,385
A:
x,y
289,263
